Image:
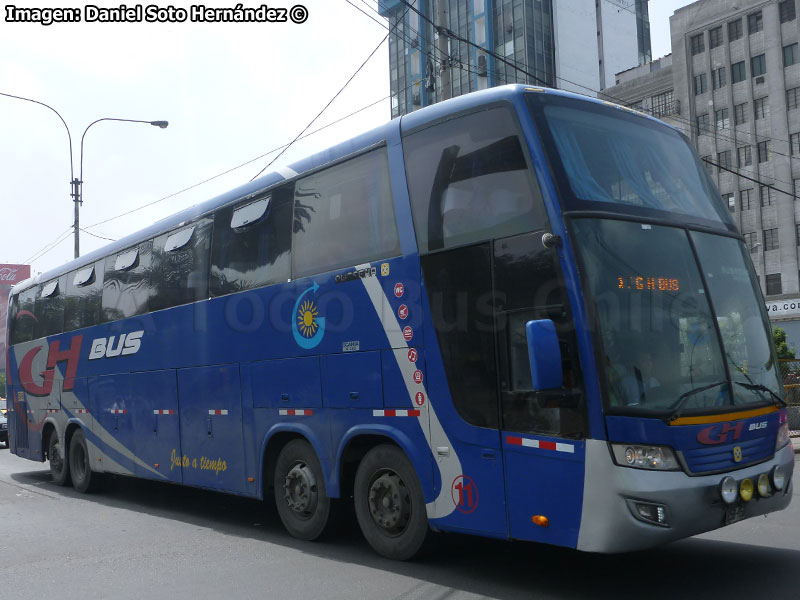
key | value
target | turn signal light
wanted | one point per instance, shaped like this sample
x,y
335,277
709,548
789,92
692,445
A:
x,y
540,520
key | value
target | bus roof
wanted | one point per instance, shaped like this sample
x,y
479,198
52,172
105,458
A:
x,y
428,114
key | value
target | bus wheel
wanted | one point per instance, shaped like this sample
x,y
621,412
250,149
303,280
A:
x,y
300,496
390,506
80,468
59,469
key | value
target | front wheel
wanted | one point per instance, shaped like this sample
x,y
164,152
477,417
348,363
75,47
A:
x,y
300,495
390,506
56,453
80,467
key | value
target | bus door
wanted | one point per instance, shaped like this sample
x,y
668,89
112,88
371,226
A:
x,y
542,432
211,428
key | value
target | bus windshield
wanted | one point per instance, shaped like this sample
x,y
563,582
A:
x,y
651,166
679,330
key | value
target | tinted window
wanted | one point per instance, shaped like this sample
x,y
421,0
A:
x,y
127,291
84,297
469,181
257,253
21,316
49,308
344,216
178,271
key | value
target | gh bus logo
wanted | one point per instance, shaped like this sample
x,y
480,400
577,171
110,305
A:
x,y
128,343
718,434
55,355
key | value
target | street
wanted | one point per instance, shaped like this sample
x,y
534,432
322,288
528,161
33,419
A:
x,y
139,539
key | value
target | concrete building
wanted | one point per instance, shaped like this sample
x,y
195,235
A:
x,y
544,40
736,83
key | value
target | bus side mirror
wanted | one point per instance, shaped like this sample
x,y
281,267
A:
x,y
544,355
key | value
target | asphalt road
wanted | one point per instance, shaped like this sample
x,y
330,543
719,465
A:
x,y
140,539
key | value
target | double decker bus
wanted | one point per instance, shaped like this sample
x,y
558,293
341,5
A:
x,y
520,313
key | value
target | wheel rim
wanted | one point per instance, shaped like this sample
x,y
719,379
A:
x,y
79,463
56,460
300,491
390,503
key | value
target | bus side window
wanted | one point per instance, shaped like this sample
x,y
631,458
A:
x,y
49,308
84,300
344,216
22,317
179,265
126,287
252,243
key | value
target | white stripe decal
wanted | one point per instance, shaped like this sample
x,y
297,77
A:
x,y
449,466
286,172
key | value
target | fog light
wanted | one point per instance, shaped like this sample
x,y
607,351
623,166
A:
x,y
652,513
764,489
728,490
746,489
778,477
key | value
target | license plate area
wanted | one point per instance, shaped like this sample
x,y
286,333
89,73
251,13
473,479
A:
x,y
734,513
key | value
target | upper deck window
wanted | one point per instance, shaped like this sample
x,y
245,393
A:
x,y
469,181
605,156
83,306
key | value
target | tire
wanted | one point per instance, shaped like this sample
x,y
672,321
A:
x,y
300,495
80,467
389,503
59,466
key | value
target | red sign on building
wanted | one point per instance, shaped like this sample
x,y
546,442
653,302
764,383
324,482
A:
x,y
10,275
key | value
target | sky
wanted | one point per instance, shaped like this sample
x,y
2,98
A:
x,y
232,92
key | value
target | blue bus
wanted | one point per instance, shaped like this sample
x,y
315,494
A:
x,y
521,314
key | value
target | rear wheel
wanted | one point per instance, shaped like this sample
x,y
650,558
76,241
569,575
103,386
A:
x,y
56,453
390,506
300,495
80,468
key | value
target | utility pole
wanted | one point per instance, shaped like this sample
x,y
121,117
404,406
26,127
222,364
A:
x,y
76,197
444,49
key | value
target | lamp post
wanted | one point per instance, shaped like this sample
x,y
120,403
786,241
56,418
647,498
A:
x,y
76,183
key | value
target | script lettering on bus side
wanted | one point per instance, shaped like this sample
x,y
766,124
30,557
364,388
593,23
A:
x,y
217,465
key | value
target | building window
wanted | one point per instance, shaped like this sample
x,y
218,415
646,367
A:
x,y
746,197
761,108
698,44
715,37
703,124
738,72
790,55
793,98
721,118
700,84
734,30
740,113
750,240
744,156
729,200
797,234
663,104
796,188
795,142
718,78
755,22
787,11
767,195
707,164
774,284
770,239
724,159
758,65
763,151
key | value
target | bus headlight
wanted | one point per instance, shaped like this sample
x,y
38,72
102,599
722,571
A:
x,y
658,458
778,477
764,488
728,490
783,436
746,489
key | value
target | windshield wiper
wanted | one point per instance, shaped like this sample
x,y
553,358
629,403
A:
x,y
762,388
684,397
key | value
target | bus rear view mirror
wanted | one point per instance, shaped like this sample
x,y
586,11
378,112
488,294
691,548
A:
x,y
544,354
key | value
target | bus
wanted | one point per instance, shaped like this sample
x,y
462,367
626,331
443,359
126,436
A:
x,y
520,314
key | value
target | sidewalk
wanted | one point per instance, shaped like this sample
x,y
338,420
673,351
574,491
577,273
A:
x,y
796,444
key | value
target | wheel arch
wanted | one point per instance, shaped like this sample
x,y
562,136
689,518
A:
x,y
276,438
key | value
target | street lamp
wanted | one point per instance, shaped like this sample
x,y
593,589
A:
x,y
76,182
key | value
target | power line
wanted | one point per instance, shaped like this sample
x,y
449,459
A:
x,y
48,247
758,181
102,237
